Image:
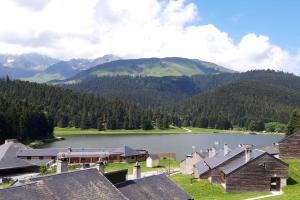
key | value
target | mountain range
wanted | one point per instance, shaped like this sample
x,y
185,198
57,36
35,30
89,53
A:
x,y
40,68
188,90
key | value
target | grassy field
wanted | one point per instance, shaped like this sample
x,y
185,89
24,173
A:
x,y
164,164
204,190
172,130
4,185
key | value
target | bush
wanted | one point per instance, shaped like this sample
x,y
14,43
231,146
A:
x,y
43,169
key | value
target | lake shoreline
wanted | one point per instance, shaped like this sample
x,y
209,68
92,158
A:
x,y
173,130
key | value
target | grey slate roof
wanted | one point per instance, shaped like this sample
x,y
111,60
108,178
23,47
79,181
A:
x,y
201,167
271,149
219,158
126,151
152,188
8,159
240,161
32,191
204,165
85,184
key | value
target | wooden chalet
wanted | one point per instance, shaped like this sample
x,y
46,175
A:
x,y
289,147
244,169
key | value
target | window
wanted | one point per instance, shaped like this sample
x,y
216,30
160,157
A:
x,y
28,157
41,157
53,157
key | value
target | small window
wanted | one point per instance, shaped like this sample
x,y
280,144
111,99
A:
x,y
28,157
41,157
53,157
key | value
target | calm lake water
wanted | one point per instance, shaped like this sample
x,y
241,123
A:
x,y
181,144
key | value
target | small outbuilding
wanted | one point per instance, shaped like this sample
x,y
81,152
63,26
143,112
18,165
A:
x,y
289,147
152,160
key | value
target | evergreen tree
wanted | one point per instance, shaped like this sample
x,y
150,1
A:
x,y
294,122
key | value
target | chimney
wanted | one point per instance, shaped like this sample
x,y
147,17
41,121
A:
x,y
62,166
100,166
211,152
225,149
248,152
136,171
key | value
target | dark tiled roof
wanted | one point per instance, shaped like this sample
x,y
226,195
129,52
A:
x,y
8,158
154,156
210,163
152,188
271,149
55,151
220,158
240,161
83,184
201,167
126,151
32,191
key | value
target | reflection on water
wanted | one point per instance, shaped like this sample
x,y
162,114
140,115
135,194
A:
x,y
181,144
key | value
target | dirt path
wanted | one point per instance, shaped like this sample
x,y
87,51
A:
x,y
267,196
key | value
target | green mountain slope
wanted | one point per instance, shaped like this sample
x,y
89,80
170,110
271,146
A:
x,y
242,101
157,67
157,91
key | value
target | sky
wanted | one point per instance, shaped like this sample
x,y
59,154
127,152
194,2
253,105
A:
x,y
238,34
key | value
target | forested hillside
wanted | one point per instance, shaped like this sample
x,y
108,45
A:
x,y
23,121
243,101
165,91
145,91
85,110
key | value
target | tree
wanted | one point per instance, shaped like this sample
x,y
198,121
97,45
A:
x,y
256,125
294,122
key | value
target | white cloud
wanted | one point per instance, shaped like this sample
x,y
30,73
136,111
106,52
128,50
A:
x,y
131,28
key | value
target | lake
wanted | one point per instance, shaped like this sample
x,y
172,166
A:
x,y
181,144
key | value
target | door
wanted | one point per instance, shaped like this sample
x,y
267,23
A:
x,y
275,184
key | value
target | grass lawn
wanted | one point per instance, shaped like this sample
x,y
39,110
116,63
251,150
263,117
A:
x,y
204,190
172,130
4,185
164,164
292,191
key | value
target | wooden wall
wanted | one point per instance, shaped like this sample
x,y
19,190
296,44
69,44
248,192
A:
x,y
290,147
255,177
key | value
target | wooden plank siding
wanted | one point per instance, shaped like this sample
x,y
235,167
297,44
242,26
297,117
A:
x,y
290,146
256,175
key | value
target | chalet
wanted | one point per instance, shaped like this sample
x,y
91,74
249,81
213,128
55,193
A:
x,y
244,169
90,184
11,164
83,184
85,155
289,147
151,188
152,160
187,164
